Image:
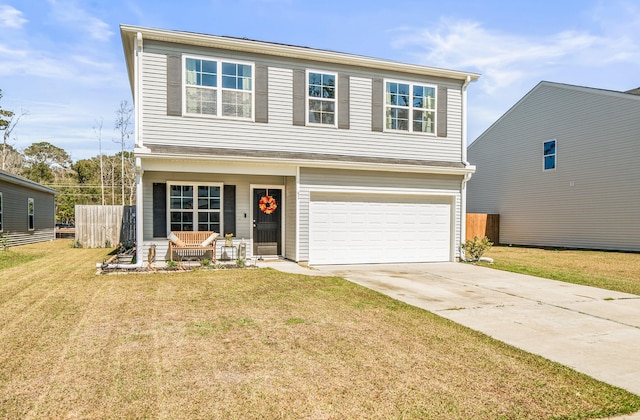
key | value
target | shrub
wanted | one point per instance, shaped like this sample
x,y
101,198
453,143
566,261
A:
x,y
474,248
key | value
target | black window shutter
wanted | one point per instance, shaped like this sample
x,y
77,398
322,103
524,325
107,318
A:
x,y
377,105
299,95
441,118
230,209
343,101
159,210
174,85
262,93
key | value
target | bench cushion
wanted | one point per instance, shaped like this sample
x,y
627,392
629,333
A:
x,y
175,240
210,239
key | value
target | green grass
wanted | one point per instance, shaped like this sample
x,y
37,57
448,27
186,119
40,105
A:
x,y
608,270
11,257
249,344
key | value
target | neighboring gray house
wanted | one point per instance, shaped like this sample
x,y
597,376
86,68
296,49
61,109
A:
x,y
311,155
27,210
561,169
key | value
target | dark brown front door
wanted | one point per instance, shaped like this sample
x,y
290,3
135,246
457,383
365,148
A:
x,y
267,221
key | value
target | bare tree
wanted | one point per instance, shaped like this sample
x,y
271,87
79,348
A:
x,y
123,124
8,122
97,128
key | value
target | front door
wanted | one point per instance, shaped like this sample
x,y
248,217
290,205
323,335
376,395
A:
x,y
267,221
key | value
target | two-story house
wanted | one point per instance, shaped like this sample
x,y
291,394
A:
x,y
312,155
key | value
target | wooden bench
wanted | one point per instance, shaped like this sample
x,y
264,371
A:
x,y
192,245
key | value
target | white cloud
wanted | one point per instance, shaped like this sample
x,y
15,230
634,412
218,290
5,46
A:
x,y
68,12
506,59
11,17
604,52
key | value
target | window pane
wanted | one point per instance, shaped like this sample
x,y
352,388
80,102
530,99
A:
x,y
315,91
244,70
424,97
315,78
229,82
201,101
236,104
549,147
397,119
229,69
209,66
549,162
200,72
423,121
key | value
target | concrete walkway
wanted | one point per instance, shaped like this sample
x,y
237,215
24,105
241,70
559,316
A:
x,y
591,330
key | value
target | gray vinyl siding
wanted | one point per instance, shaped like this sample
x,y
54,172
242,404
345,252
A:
x,y
15,218
290,219
312,179
591,199
280,134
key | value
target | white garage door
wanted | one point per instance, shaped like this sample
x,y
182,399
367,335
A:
x,y
378,228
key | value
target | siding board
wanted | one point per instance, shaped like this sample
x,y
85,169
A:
x,y
279,134
592,199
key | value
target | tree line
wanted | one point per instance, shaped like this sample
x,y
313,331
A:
x,y
102,179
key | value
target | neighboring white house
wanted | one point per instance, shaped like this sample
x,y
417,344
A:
x,y
311,155
561,169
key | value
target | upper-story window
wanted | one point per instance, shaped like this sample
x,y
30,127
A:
x,y
321,98
31,214
549,155
410,107
221,88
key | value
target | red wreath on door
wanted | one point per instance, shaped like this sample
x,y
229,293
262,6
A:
x,y
267,204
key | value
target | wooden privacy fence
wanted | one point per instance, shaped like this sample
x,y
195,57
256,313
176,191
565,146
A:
x,y
483,225
105,226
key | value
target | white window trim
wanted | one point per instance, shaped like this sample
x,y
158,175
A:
x,y
1,213
410,107
307,98
31,205
555,155
195,186
218,87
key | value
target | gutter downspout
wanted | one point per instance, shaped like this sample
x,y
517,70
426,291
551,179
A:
x,y
137,103
467,177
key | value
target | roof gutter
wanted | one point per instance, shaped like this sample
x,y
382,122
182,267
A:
x,y
311,163
464,120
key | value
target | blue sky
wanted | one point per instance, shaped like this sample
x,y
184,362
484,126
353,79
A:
x,y
61,61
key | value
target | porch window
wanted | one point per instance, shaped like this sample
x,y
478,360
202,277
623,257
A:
x,y
410,107
31,214
218,88
194,207
549,155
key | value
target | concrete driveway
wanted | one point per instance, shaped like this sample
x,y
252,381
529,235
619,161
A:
x,y
591,330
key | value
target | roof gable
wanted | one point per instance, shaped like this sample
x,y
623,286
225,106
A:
x,y
554,85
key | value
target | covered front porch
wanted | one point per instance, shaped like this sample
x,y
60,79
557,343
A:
x,y
252,207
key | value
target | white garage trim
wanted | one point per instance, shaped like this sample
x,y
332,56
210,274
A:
x,y
365,227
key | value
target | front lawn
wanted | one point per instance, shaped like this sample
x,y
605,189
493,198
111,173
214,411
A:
x,y
607,270
256,343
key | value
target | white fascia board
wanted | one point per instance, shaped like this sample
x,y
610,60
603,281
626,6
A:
x,y
277,166
290,51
